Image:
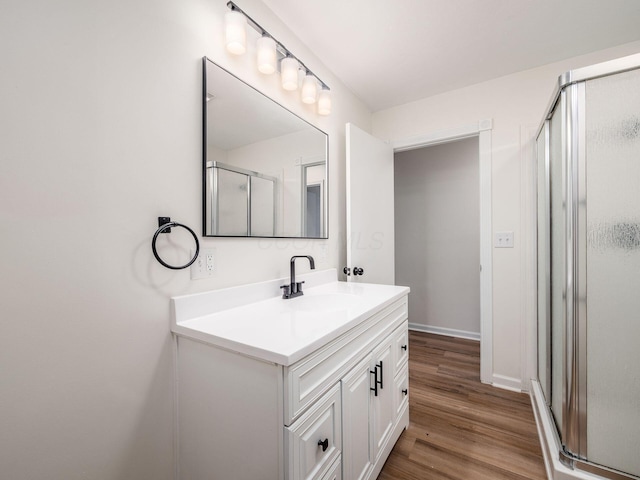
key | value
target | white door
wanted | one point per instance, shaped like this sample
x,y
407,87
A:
x,y
370,232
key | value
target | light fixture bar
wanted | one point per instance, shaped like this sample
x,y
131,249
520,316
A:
x,y
280,48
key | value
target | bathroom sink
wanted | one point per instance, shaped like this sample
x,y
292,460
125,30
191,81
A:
x,y
255,320
323,302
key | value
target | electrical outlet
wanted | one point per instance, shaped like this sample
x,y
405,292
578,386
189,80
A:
x,y
503,240
203,267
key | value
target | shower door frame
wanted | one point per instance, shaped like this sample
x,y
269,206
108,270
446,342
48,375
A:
x,y
574,416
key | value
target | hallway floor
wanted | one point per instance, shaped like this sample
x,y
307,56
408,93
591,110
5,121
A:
x,y
461,429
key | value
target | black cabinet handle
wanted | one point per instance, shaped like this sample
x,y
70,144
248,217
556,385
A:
x,y
374,389
404,347
376,382
405,391
324,444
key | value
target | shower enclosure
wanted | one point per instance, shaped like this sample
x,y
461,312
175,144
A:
x,y
242,202
587,395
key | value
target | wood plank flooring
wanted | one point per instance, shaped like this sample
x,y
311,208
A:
x,y
461,429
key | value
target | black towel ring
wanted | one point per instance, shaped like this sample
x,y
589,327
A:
x,y
160,230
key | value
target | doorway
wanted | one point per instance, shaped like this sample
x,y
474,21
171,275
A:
x,y
370,212
437,236
482,131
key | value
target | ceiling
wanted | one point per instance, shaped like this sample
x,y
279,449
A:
x,y
390,52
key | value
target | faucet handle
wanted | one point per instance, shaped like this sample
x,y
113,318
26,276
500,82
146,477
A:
x,y
299,287
286,291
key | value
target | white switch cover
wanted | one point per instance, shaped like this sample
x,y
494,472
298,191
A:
x,y
503,240
203,266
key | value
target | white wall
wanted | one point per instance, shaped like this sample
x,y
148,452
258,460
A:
x,y
100,131
516,103
437,235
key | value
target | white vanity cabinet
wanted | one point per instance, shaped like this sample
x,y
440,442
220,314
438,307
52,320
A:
x,y
335,413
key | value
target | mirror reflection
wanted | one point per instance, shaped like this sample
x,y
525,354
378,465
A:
x,y
265,169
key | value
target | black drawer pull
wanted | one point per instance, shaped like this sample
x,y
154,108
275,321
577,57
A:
x,y
324,444
404,347
405,391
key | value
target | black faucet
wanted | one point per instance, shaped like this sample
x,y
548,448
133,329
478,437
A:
x,y
294,289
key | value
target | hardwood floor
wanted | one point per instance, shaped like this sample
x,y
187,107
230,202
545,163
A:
x,y
461,429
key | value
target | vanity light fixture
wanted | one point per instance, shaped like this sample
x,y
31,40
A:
x,y
309,89
324,101
269,52
235,30
289,73
267,55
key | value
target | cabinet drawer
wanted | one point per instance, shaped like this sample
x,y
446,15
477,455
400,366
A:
x,y
401,391
400,347
306,380
314,441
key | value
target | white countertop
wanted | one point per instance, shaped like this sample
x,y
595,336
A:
x,y
277,330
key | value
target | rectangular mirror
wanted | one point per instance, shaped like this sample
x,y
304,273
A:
x,y
265,169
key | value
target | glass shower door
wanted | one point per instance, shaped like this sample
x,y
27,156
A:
x,y
231,203
613,271
589,269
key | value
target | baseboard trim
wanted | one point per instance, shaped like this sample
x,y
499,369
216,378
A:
x,y
507,383
449,332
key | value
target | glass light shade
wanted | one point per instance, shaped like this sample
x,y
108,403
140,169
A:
x,y
267,57
309,89
235,29
324,102
289,73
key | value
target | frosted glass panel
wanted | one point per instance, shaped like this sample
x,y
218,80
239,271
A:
x,y
232,203
262,207
543,262
613,271
557,168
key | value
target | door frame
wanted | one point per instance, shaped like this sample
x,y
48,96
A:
x,y
482,130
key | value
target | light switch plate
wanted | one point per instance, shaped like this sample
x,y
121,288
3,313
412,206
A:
x,y
503,240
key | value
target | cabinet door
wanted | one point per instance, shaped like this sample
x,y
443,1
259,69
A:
x,y
382,411
356,394
401,391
